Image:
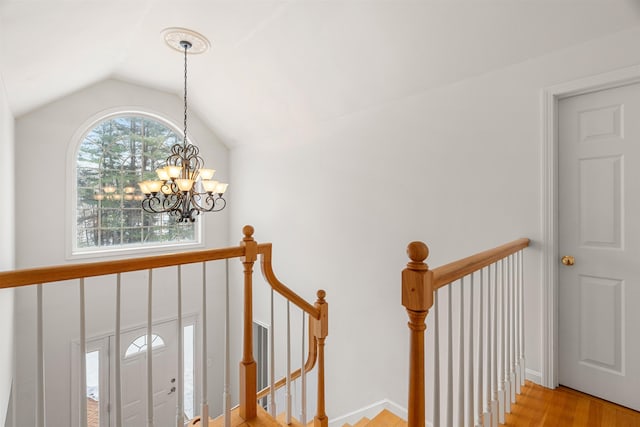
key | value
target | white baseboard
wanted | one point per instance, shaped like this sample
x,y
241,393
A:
x,y
371,411
533,376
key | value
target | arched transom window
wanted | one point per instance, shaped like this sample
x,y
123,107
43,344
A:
x,y
139,345
112,158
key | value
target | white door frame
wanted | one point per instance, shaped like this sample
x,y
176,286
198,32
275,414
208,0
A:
x,y
549,204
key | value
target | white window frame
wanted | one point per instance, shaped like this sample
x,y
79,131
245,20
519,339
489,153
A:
x,y
72,250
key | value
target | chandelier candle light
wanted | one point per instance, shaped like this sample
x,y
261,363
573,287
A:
x,y
184,188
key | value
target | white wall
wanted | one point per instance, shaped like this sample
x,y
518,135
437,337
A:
x,y
6,250
457,167
43,137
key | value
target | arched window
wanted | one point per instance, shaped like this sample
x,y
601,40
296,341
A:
x,y
112,158
139,345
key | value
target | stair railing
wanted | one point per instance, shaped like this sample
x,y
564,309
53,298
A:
x,y
247,252
490,366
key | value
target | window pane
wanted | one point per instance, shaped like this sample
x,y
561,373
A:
x,y
88,177
109,237
113,158
93,388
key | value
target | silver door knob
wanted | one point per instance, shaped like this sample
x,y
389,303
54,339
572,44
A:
x,y
568,260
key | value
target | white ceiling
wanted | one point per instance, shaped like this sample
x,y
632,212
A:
x,y
279,65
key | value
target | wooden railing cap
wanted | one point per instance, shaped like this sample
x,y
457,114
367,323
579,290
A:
x,y
418,252
248,230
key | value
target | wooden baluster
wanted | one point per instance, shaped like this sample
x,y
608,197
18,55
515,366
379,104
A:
x,y
248,367
480,359
505,325
449,420
288,376
303,376
226,394
470,396
521,302
436,361
272,360
494,345
321,330
118,354
516,332
501,369
417,298
204,405
461,355
83,358
470,375
40,416
512,329
149,353
486,421
180,391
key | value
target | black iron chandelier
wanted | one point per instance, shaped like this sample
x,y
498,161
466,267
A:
x,y
184,188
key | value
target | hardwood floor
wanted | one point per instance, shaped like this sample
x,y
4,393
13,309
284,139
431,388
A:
x,y
564,407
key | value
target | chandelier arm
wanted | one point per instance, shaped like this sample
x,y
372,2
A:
x,y
211,202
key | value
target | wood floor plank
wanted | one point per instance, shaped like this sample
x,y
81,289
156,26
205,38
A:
x,y
538,406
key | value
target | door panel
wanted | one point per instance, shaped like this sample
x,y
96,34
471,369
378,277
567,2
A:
x,y
134,377
599,224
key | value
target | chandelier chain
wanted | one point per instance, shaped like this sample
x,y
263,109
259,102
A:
x,y
186,47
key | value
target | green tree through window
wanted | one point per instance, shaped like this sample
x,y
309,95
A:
x,y
113,157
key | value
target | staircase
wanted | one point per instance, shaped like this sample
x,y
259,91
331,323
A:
x,y
383,419
498,283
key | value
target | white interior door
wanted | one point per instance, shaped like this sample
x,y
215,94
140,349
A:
x,y
599,225
134,375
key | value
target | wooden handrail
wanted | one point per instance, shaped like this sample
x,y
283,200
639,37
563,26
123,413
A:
x,y
455,270
418,286
247,252
267,271
34,276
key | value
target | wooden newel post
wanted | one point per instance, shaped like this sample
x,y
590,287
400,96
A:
x,y
417,298
248,367
321,330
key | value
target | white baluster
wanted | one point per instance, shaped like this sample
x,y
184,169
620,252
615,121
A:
x,y
449,417
118,354
226,395
470,392
436,361
40,417
83,358
272,362
512,338
204,409
149,354
505,324
516,308
480,362
303,377
461,358
486,419
180,391
493,284
501,369
288,383
521,302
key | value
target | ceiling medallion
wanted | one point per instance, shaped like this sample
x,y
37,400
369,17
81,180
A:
x,y
174,37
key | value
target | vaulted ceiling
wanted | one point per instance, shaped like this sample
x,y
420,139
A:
x,y
278,65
